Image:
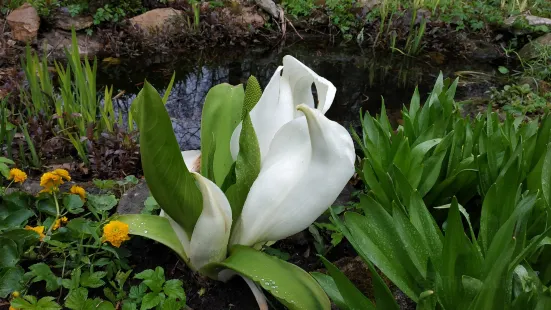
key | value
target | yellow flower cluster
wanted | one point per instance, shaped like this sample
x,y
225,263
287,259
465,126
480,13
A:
x,y
52,180
17,175
58,222
38,229
115,232
77,190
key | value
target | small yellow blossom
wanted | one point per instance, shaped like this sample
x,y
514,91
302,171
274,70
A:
x,y
15,294
50,181
38,229
64,174
17,175
13,308
58,222
77,190
115,232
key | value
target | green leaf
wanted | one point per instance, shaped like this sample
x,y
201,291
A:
x,y
247,166
137,292
129,306
415,172
221,115
503,70
169,88
154,279
73,204
150,300
156,228
41,272
167,176
15,218
92,280
353,298
22,237
330,287
47,206
10,280
173,304
291,285
10,253
101,202
546,176
76,298
174,289
47,303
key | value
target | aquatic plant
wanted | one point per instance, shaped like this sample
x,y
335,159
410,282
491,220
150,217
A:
x,y
270,163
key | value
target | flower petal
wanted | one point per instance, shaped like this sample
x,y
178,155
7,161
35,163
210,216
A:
x,y
192,159
309,162
209,241
274,109
179,231
300,77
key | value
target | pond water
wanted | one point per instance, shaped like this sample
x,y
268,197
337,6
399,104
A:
x,y
361,77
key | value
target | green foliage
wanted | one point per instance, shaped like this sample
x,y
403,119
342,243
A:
x,y
438,160
519,99
154,291
299,7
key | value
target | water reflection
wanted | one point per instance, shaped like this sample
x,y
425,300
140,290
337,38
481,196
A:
x,y
361,80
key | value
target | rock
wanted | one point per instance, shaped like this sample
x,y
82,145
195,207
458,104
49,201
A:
x,y
530,50
368,4
154,19
24,23
132,201
531,19
58,40
66,22
270,7
250,16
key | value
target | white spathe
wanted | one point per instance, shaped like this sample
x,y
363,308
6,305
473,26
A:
x,y
309,162
278,103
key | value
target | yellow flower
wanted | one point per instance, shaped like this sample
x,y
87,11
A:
x,y
115,232
50,181
12,308
64,220
38,229
64,174
17,175
77,190
58,222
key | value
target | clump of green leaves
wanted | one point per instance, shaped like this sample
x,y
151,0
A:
x,y
299,7
155,292
519,99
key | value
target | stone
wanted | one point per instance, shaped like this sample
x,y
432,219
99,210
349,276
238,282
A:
x,y
270,7
154,19
132,201
530,50
24,23
58,40
531,19
368,4
251,17
66,22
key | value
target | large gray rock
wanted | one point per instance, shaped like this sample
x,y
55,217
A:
x,y
530,50
132,201
24,23
531,19
270,7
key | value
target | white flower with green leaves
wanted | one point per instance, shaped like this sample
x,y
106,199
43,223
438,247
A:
x,y
270,164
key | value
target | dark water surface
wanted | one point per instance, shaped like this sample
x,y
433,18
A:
x,y
361,79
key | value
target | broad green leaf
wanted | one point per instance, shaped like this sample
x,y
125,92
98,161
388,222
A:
x,y
221,115
76,299
546,176
415,172
41,272
10,280
154,279
156,228
150,300
291,285
330,287
73,204
167,176
15,218
92,279
353,298
375,234
9,256
22,237
101,202
414,106
383,296
174,289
